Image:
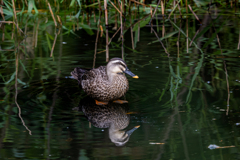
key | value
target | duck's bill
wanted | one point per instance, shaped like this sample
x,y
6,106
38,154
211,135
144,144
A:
x,y
129,132
131,74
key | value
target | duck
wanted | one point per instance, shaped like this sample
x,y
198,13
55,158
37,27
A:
x,y
114,116
105,83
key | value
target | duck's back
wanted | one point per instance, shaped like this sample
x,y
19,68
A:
x,y
95,83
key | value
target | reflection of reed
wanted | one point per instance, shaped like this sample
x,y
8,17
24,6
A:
x,y
225,66
176,112
16,93
3,134
163,29
50,119
239,41
55,39
178,42
193,38
54,98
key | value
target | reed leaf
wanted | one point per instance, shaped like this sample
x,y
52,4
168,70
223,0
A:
x,y
31,5
24,68
167,36
214,35
72,3
206,28
143,23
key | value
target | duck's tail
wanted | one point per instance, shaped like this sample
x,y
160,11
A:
x,y
77,74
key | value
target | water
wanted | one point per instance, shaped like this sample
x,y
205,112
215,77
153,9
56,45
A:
x,y
185,105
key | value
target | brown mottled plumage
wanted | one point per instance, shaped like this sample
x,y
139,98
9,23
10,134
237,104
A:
x,y
105,83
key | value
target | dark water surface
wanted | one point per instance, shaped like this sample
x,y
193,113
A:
x,y
183,103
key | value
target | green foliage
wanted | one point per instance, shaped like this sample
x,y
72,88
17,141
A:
x,y
186,91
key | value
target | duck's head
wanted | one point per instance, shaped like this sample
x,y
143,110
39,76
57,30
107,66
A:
x,y
118,66
120,138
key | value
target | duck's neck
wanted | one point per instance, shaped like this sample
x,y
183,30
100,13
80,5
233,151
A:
x,y
115,132
118,137
111,77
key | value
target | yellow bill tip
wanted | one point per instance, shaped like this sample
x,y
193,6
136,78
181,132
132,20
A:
x,y
137,126
135,76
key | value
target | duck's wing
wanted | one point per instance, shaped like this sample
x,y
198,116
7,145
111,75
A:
x,y
99,73
81,74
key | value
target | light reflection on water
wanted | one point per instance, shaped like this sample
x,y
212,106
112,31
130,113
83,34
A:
x,y
179,103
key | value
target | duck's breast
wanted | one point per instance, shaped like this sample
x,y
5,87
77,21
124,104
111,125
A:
x,y
119,86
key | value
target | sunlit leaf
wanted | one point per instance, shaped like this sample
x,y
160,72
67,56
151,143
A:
x,y
77,15
9,6
94,4
72,3
7,12
87,28
79,3
31,5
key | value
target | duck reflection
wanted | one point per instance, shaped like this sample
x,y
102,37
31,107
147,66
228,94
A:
x,y
113,116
